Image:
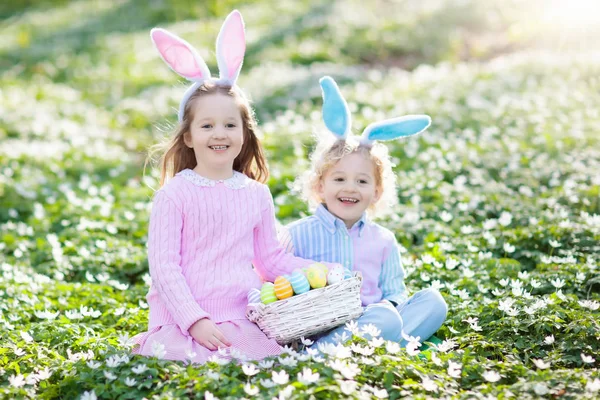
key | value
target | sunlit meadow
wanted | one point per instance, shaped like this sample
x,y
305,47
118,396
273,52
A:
x,y
499,200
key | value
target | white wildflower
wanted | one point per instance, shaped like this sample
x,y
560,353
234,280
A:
x,y
380,393
451,263
213,375
541,364
377,342
280,378
505,218
44,374
371,329
16,381
392,347
94,364
437,285
109,375
348,387
445,216
307,377
436,360
218,360
113,362
267,383
251,390
513,312
509,248
593,386
454,369
88,396
490,224
473,322
288,361
557,283
447,345
268,364
306,342
529,310
549,339
429,385
139,369
130,382
209,396
353,328
125,340
587,359
491,376
540,389
250,369
365,351
591,304
523,275
26,336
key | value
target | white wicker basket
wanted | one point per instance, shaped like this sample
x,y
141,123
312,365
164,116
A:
x,y
307,314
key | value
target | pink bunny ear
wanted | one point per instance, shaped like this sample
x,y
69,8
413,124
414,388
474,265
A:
x,y
179,55
231,46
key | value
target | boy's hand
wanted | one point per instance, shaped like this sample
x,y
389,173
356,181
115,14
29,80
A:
x,y
206,333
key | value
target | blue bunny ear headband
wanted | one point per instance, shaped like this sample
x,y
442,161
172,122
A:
x,y
337,118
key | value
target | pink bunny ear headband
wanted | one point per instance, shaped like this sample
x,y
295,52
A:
x,y
337,118
182,58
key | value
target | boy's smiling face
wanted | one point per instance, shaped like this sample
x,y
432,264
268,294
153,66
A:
x,y
349,187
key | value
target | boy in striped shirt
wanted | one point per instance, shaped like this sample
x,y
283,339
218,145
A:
x,y
349,181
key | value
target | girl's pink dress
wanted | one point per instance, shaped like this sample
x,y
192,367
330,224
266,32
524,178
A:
x,y
203,240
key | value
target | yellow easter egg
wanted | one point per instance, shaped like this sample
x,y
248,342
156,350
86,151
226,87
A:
x,y
283,288
316,277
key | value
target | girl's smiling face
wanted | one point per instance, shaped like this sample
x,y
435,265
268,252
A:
x,y
349,187
216,135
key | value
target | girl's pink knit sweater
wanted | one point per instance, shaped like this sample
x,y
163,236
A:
x,y
204,236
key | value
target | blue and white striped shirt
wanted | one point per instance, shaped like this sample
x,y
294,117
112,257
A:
x,y
366,247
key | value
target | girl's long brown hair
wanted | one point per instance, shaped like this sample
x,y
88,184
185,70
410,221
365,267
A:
x,y
177,156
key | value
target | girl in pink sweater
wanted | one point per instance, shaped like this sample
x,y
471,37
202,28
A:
x,y
214,219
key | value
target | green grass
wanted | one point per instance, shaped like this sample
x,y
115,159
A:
x,y
499,200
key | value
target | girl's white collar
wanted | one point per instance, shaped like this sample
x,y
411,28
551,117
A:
x,y
237,181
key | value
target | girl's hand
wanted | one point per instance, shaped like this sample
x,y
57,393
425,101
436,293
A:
x,y
208,335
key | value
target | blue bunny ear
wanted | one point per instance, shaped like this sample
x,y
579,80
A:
x,y
394,128
336,114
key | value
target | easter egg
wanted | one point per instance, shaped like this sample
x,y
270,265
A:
x,y
335,275
316,277
299,282
267,293
347,274
283,288
322,266
254,296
